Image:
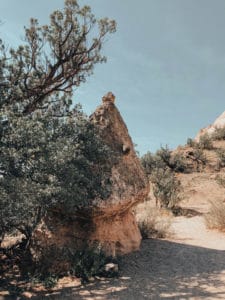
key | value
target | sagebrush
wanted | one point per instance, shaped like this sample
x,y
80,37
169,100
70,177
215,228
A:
x,y
205,142
219,133
161,168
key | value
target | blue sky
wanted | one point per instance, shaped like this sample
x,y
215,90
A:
x,y
166,63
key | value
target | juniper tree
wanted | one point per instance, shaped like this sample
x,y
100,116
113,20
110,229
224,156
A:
x,y
50,154
54,58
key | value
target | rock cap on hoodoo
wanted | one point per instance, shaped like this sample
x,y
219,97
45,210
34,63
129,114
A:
x,y
109,97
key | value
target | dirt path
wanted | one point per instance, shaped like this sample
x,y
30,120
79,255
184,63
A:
x,y
191,265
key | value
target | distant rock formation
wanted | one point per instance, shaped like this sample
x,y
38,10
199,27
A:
x,y
219,123
111,221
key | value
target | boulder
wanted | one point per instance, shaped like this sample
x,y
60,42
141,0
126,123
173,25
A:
x,y
109,222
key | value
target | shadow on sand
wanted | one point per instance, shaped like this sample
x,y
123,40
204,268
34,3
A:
x,y
160,270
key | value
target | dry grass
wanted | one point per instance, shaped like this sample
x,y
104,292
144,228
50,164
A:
x,y
154,222
215,218
220,180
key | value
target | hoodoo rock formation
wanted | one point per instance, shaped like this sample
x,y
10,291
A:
x,y
110,222
115,225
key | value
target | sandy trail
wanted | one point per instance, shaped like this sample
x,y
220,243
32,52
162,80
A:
x,y
190,265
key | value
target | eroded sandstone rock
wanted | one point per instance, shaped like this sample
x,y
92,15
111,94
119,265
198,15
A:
x,y
110,222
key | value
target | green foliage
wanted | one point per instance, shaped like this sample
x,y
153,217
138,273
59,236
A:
x,y
166,187
161,169
178,163
54,58
47,279
50,163
149,162
219,134
51,156
50,281
164,154
88,262
83,261
205,142
163,159
199,156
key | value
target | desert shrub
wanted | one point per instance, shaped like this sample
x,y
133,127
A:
x,y
164,153
219,133
199,157
205,142
166,187
215,218
191,143
82,261
154,224
166,159
159,160
161,169
163,159
50,281
148,162
89,262
220,180
178,163
221,157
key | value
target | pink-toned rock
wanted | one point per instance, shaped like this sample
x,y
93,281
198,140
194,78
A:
x,y
110,222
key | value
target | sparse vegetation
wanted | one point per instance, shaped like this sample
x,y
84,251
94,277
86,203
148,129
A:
x,y
50,281
205,142
178,163
166,188
163,159
215,218
199,158
89,262
161,168
219,133
191,143
221,157
220,180
155,223
149,162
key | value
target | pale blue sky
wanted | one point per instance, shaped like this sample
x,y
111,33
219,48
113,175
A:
x,y
166,63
